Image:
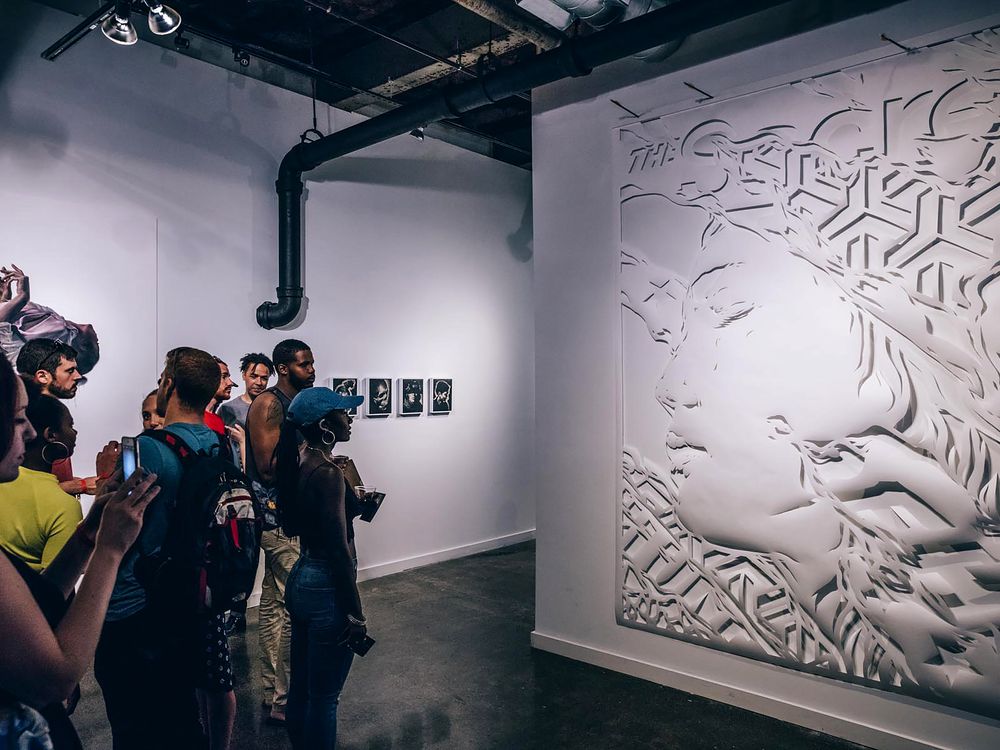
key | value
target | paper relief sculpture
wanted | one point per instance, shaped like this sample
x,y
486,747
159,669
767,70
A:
x,y
22,319
810,286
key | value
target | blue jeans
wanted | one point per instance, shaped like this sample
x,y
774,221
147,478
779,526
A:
x,y
319,664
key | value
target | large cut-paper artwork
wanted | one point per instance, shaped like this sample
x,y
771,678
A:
x,y
22,320
810,286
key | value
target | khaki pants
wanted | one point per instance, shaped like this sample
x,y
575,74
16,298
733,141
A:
x,y
274,627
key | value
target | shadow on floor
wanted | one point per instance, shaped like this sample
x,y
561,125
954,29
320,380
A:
x,y
453,668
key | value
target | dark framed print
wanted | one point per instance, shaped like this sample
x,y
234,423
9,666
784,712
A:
x,y
411,397
378,397
345,387
439,395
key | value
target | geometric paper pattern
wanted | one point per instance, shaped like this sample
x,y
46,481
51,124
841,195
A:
x,y
810,296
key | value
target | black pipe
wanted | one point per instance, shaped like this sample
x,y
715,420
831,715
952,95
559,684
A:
x,y
576,57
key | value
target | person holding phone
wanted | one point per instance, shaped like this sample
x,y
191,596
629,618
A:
x,y
315,504
49,637
36,516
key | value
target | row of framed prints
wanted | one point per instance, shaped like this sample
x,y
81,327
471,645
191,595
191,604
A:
x,y
412,396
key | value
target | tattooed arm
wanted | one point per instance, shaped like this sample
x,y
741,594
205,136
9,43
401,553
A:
x,y
264,425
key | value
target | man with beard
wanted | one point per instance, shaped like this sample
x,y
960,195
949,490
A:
x,y
293,361
225,387
52,365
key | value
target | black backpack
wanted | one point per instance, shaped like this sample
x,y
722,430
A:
x,y
208,561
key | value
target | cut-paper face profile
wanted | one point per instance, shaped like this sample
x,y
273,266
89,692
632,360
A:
x,y
810,291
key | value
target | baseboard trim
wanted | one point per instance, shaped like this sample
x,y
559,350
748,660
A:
x,y
844,727
452,553
419,561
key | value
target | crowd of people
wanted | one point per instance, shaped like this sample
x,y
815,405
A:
x,y
82,589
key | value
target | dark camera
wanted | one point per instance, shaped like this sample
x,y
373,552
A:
x,y
360,645
370,505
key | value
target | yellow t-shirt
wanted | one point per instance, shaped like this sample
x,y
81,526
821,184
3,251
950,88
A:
x,y
36,517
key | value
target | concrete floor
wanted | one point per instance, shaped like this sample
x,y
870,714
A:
x,y
453,669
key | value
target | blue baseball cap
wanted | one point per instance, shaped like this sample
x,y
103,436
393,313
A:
x,y
312,404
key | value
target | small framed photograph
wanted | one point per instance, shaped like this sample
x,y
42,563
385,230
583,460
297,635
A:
x,y
411,397
439,396
345,387
378,397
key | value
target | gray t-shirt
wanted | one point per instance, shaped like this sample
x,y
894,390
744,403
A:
x,y
235,412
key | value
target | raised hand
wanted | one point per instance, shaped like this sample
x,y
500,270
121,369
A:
x,y
237,434
123,504
107,459
10,276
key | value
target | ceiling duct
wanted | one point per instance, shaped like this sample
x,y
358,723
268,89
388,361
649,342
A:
x,y
638,8
600,14
597,13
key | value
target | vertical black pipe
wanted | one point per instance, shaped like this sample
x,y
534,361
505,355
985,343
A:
x,y
271,314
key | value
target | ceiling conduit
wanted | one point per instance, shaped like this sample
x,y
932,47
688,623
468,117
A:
x,y
574,58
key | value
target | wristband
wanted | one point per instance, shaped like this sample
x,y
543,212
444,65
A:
x,y
83,486
360,622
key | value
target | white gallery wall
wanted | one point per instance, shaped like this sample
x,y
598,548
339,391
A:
x,y
718,385
137,190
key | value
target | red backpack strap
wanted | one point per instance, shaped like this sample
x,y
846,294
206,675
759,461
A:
x,y
177,445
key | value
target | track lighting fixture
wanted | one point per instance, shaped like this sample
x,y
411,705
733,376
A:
x,y
162,18
114,20
241,57
117,27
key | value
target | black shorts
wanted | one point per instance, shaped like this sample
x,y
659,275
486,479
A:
x,y
213,671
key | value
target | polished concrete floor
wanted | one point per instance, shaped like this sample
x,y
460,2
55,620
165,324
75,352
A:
x,y
453,669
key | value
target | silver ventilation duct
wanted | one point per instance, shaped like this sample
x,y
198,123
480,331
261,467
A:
x,y
638,8
603,13
597,13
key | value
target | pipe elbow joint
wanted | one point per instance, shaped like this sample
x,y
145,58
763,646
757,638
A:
x,y
281,313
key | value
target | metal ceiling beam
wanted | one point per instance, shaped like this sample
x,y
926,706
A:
x,y
328,9
379,103
435,71
509,20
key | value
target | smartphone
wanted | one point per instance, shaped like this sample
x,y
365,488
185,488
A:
x,y
130,456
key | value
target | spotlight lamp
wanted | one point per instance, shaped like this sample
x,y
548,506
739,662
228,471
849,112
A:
x,y
162,18
117,27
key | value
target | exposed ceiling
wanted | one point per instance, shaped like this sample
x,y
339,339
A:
x,y
371,56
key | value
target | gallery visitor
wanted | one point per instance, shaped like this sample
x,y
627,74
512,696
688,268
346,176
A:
x,y
49,639
294,364
321,594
